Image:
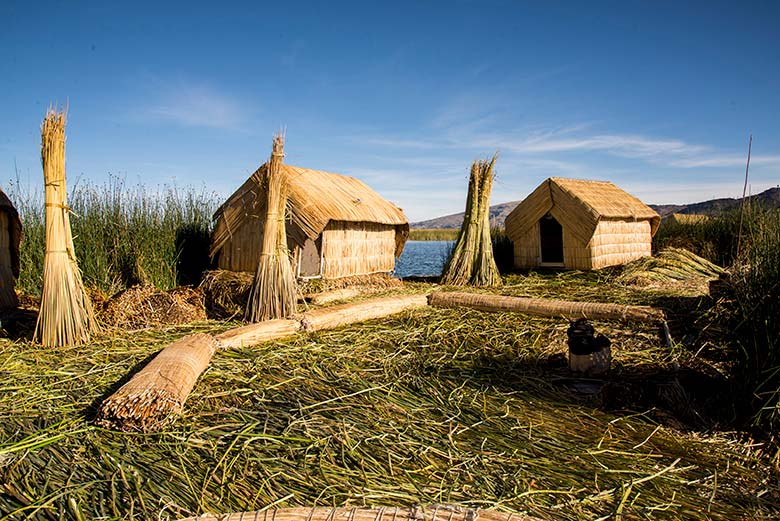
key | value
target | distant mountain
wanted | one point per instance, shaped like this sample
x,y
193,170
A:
x,y
769,197
499,212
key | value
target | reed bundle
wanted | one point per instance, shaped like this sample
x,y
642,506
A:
x,y
274,290
472,261
417,513
547,307
152,398
66,316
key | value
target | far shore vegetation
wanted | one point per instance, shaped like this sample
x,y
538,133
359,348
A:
x,y
433,234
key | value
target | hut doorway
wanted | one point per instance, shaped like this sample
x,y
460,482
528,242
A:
x,y
551,241
310,258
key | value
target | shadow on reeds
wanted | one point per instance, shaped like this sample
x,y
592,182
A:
x,y
684,398
18,324
192,244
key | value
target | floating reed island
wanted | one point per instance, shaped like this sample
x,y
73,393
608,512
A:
x,y
461,409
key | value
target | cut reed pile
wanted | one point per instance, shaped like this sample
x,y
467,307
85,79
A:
x,y
472,261
433,406
65,316
146,306
274,291
670,265
226,292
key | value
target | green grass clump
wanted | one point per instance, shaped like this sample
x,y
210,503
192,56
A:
x,y
752,315
123,234
433,234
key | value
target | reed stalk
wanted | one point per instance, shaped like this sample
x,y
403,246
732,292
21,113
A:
x,y
65,317
274,291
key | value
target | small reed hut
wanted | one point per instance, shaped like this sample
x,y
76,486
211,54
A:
x,y
337,226
578,224
10,238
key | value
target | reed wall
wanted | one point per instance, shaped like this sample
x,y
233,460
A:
x,y
576,253
242,251
618,242
526,247
357,249
614,242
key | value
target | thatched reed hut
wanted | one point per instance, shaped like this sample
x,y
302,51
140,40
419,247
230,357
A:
x,y
337,226
10,237
578,224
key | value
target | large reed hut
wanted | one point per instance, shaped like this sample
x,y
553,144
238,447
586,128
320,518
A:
x,y
10,237
578,224
337,226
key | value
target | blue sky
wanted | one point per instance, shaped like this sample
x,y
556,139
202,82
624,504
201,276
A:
x,y
657,97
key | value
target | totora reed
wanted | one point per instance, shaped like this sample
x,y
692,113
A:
x,y
274,290
65,316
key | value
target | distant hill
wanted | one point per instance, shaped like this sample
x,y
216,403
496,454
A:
x,y
499,212
769,197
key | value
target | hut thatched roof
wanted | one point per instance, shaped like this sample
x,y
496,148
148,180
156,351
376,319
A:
x,y
579,205
15,230
315,199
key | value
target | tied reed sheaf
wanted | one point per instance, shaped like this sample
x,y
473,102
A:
x,y
472,261
65,316
274,289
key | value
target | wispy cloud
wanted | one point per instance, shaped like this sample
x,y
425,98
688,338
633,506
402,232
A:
x,y
194,104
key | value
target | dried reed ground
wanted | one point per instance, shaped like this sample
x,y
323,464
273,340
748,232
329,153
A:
x,y
441,406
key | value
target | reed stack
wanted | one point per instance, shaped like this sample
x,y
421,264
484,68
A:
x,y
274,290
472,262
65,316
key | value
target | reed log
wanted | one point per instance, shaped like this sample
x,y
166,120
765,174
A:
x,y
416,513
344,314
156,394
253,334
336,294
547,307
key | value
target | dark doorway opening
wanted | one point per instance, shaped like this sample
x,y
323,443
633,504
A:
x,y
551,238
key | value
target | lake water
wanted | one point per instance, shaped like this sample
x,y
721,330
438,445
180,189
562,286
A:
x,y
421,258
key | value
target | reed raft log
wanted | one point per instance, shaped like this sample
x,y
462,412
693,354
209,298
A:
x,y
335,316
547,307
157,392
416,513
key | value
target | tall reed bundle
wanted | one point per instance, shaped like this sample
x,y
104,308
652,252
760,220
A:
x,y
65,316
472,261
274,290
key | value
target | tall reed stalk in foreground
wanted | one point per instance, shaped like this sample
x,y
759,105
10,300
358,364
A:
x,y
273,292
472,261
65,316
